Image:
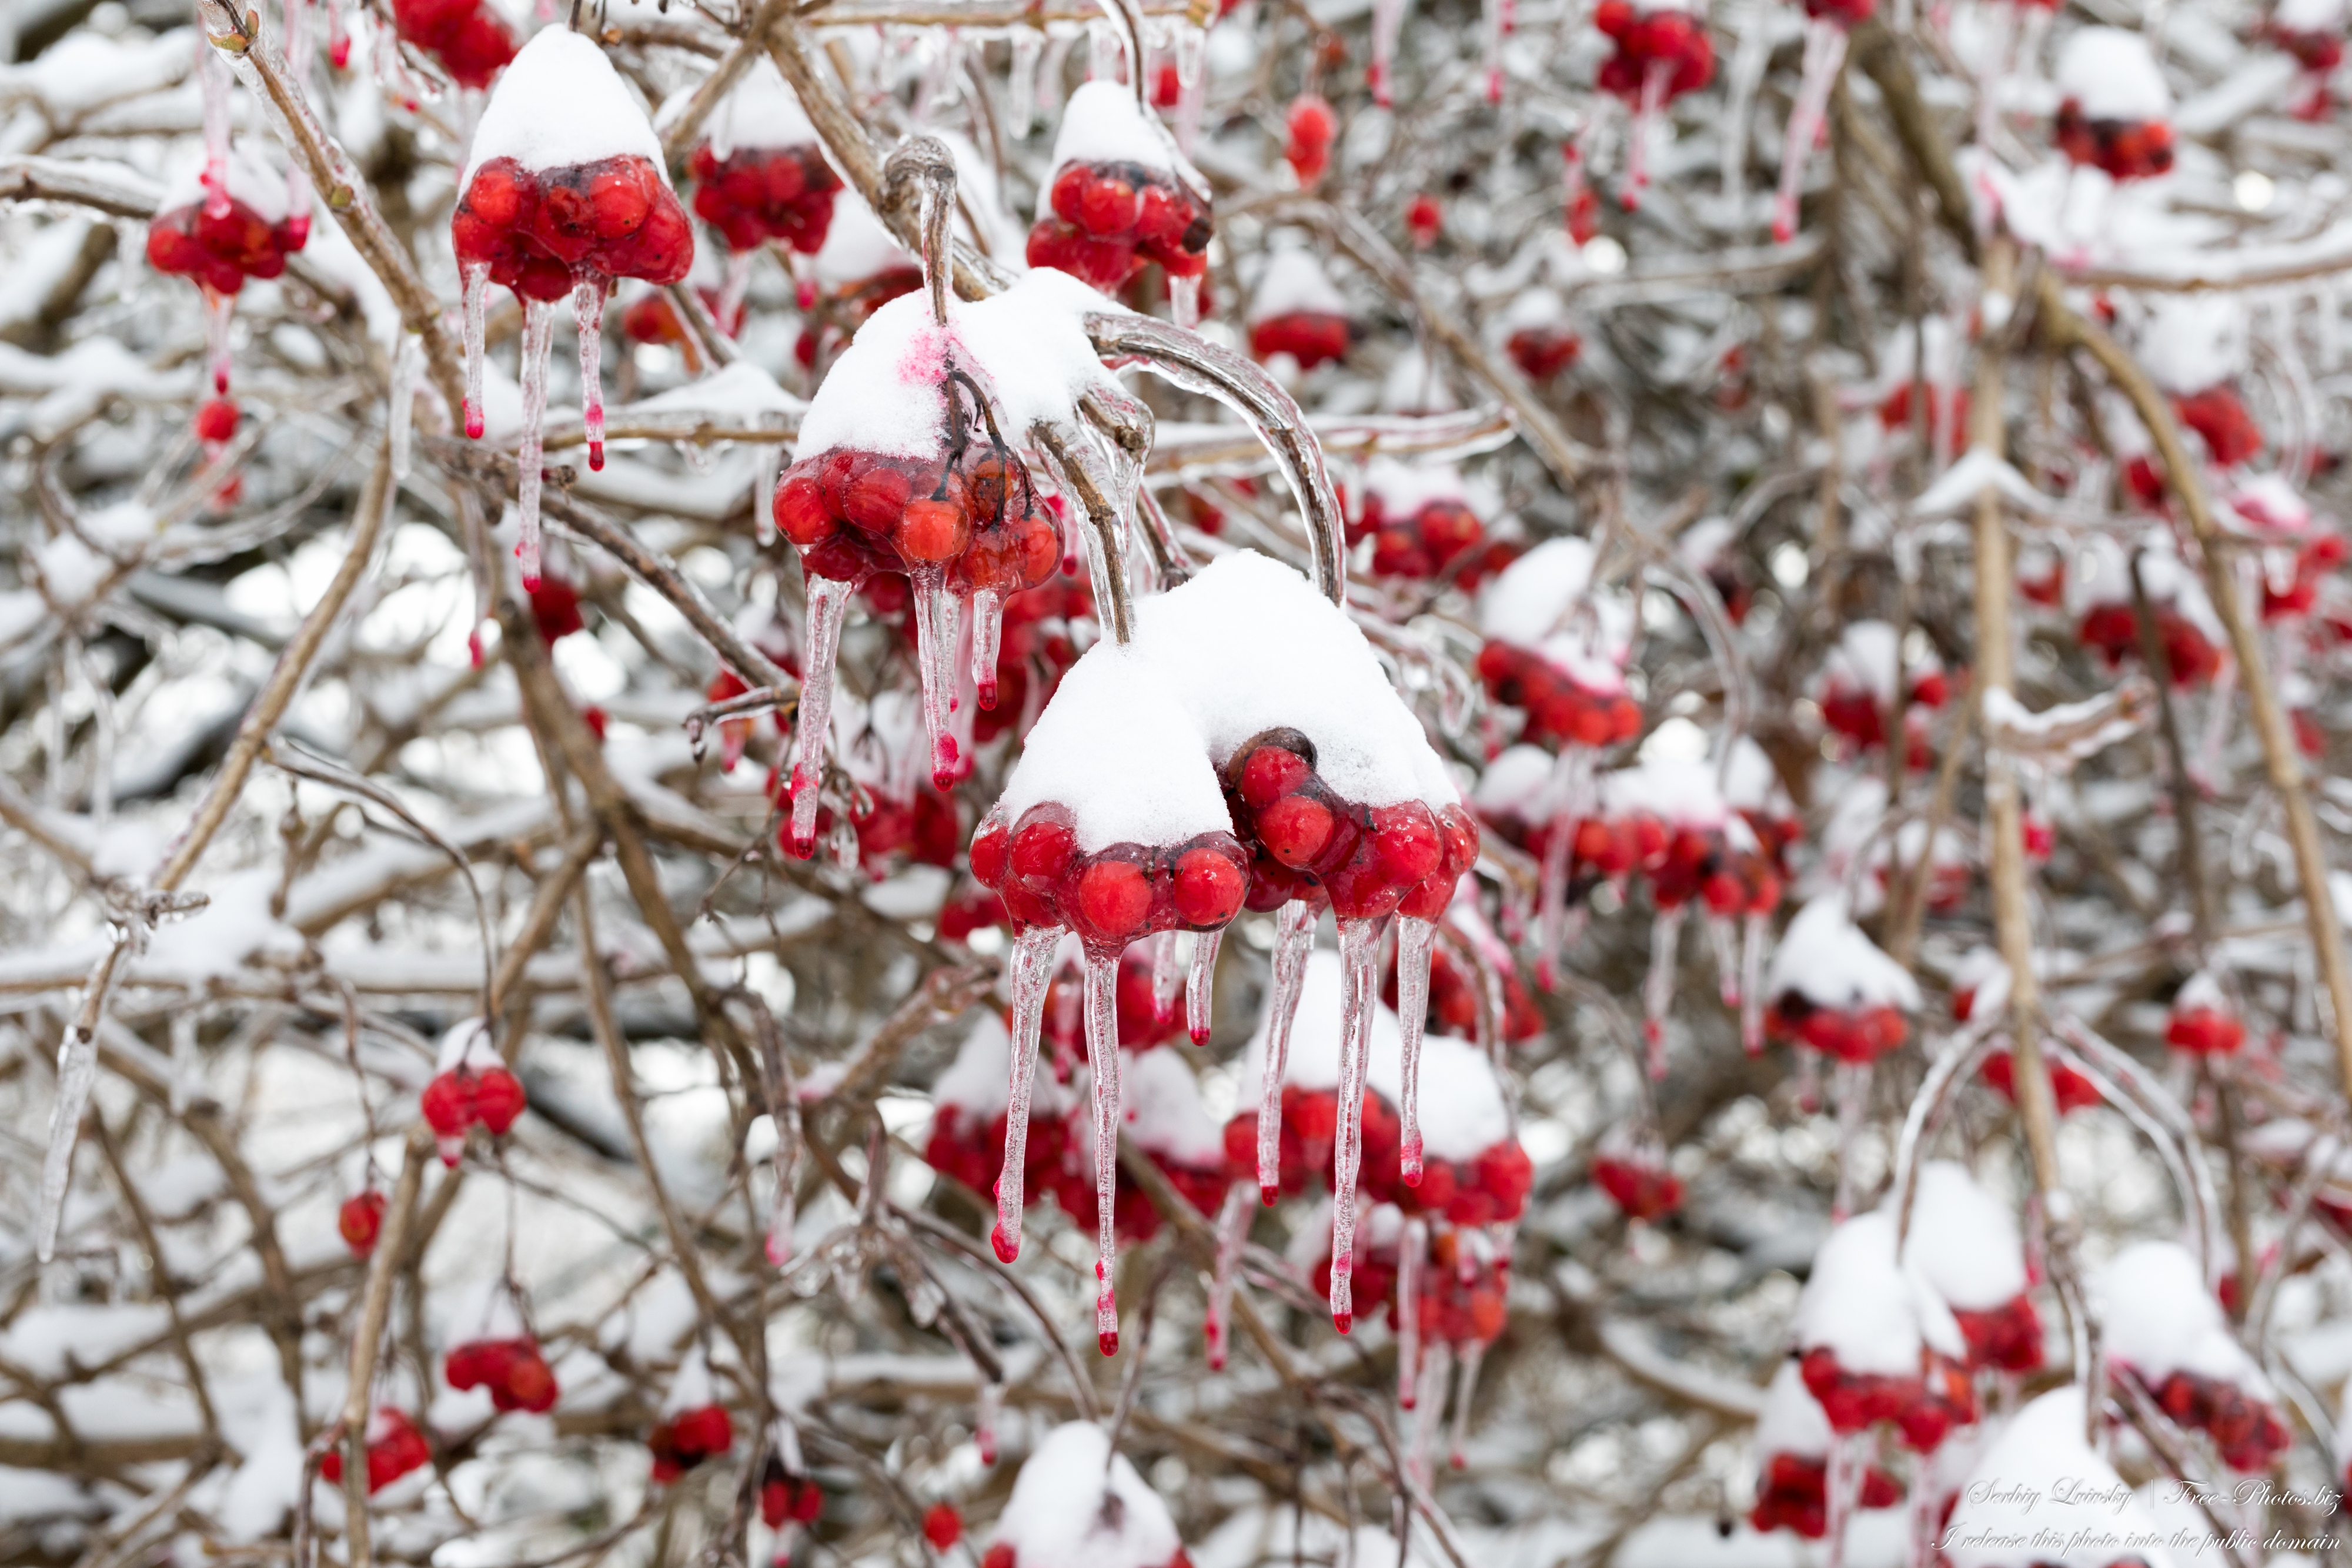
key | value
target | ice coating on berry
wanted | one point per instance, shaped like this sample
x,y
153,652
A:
x,y
2111,73
1825,959
1116,748
561,105
1996,1518
1077,1505
1253,647
1868,1310
1964,1241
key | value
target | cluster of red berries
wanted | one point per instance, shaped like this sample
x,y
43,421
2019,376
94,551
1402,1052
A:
x,y
1311,124
2218,416
2315,562
784,1496
539,230
1422,544
1847,14
1640,1185
1116,894
1793,1494
1923,1407
972,1151
1703,863
759,193
360,1220
1542,352
1310,1125
1134,1217
457,1099
221,250
1002,1555
2113,628
2007,1338
922,829
848,312
1141,1023
2122,149
1310,337
2204,1031
1368,860
396,1448
976,518
514,1371
1894,412
2316,51
2069,1088
1855,713
1561,711
2246,1431
1110,220
1859,1035
465,37
687,1439
1459,1304
651,319
1674,38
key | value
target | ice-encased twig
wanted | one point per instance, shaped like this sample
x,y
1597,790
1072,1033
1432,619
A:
x,y
1033,971
212,73
1232,1230
1755,928
1294,935
828,608
1360,994
1416,939
1464,1387
407,362
1102,1054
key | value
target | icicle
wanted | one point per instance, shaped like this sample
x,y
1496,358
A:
x,y
1658,986
1841,1485
984,1421
1751,982
1429,1405
1191,84
1033,971
936,614
828,607
1551,894
1411,1256
538,336
338,36
408,358
588,315
212,72
1294,934
1199,983
1464,1387
1387,19
1723,937
1655,81
1020,81
1825,44
1809,1080
782,1214
77,1072
1184,301
1166,974
1360,994
476,286
1102,1054
1415,939
987,639
298,53
1492,15
1106,53
1232,1230
1851,1080
218,308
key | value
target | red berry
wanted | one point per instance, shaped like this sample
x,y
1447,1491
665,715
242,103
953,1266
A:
x,y
1270,773
448,1103
1109,208
1112,900
942,1526
1209,888
1295,829
361,1221
216,420
1042,849
499,1099
933,531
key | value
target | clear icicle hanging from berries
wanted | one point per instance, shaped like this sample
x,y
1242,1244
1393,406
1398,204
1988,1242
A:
x,y
759,174
564,190
1828,24
1661,52
912,466
1112,827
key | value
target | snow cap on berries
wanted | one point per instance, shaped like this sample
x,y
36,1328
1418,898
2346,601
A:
x,y
1826,959
1963,1241
2157,1317
1295,284
2007,1503
1078,1505
1117,748
1540,601
559,105
1869,1310
467,1044
2112,74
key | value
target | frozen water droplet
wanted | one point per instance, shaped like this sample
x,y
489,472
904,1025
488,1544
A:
x,y
1199,1000
828,607
476,296
1294,935
538,337
1102,1057
588,317
1359,943
1033,971
1415,940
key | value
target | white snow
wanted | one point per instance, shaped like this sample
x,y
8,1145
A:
x,y
1253,647
2158,1318
561,104
1533,308
2269,504
1515,784
1793,1421
856,246
1963,1241
1295,283
2112,74
1165,1114
1032,340
1677,791
1825,958
1076,1504
250,181
2200,993
1873,1313
758,112
1404,490
1116,748
1540,603
883,394
1102,124
2010,1512
2192,341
